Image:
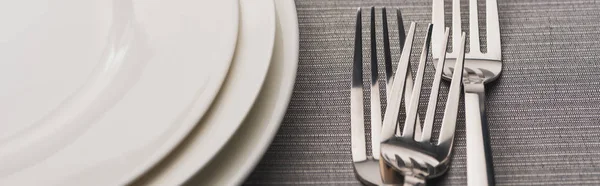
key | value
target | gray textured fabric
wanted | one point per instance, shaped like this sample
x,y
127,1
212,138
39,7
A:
x,y
544,112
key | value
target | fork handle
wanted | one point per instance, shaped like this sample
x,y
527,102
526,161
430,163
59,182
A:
x,y
389,177
480,171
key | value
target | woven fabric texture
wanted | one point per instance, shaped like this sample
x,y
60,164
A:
x,y
543,112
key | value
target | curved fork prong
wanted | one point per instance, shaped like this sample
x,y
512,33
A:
x,y
389,74
411,116
435,87
391,113
375,95
401,31
456,25
493,29
409,81
359,148
473,28
451,111
438,19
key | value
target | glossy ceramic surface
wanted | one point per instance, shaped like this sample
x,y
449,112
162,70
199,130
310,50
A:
x,y
96,92
240,90
243,151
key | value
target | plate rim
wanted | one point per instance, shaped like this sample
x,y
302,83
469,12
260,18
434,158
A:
x,y
286,10
157,175
194,114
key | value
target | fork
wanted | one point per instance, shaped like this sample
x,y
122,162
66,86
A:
x,y
367,168
418,159
481,68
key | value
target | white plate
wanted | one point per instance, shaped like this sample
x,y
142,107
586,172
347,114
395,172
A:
x,y
246,147
240,90
241,154
96,92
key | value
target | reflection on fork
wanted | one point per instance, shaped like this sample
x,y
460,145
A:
x,y
367,168
480,68
416,158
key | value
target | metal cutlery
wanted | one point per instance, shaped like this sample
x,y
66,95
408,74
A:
x,y
417,158
366,167
480,68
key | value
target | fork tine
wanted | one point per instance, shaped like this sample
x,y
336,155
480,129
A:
x,y
473,28
388,175
451,110
493,29
391,113
375,95
409,125
409,81
435,87
402,38
356,97
437,19
456,25
401,31
387,54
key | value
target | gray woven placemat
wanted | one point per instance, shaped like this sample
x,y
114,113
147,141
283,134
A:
x,y
544,112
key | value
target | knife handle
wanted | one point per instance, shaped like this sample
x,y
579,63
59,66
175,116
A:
x,y
480,171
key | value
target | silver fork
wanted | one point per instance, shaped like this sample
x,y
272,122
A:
x,y
367,168
481,68
417,158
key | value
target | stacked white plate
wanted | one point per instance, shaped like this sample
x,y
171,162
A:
x,y
160,92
